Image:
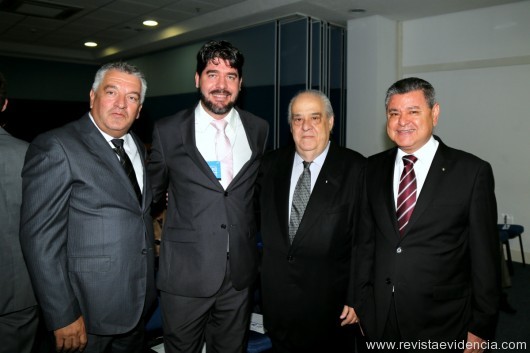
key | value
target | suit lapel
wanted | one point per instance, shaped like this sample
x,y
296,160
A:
x,y
143,157
252,137
384,182
282,185
327,183
434,177
190,145
96,143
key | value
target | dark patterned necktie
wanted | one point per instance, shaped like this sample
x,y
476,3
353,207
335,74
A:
x,y
127,166
301,195
406,199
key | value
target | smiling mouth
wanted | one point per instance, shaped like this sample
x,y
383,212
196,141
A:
x,y
220,94
405,131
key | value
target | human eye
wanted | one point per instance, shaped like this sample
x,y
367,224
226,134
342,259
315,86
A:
x,y
232,77
297,120
316,119
133,98
392,114
110,92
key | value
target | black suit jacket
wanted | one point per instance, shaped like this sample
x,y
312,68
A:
x,y
306,285
87,241
445,269
201,215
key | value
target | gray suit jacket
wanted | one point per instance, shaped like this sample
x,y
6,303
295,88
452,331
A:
x,y
87,240
16,293
201,214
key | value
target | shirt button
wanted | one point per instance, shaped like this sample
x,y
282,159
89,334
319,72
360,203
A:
x,y
398,250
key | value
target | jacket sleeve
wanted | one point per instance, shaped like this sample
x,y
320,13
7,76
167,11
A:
x,y
485,255
46,189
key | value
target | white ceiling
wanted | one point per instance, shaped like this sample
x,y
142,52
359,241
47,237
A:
x,y
117,24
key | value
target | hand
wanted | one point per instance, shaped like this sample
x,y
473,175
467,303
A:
x,y
71,338
348,316
475,345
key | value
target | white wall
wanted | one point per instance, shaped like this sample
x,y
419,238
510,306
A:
x,y
479,63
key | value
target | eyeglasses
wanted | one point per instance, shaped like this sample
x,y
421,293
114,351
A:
x,y
313,120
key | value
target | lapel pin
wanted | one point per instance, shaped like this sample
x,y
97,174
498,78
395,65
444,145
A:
x,y
443,169
326,181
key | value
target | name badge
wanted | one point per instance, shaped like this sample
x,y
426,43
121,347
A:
x,y
215,166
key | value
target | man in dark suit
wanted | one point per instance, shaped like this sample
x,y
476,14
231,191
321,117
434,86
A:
x,y
433,276
307,268
208,256
18,307
86,229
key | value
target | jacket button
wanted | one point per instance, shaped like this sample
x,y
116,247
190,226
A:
x,y
223,226
290,258
388,281
398,250
226,193
144,251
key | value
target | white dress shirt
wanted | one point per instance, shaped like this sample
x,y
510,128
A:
x,y
205,137
425,156
298,168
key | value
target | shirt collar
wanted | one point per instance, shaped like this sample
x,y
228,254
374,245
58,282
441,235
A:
x,y
203,119
107,137
317,161
424,154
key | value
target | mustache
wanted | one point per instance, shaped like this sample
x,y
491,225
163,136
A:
x,y
220,91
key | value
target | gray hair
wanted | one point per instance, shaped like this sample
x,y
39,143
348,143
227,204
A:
x,y
121,67
328,109
410,84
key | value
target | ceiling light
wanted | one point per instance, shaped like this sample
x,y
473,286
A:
x,y
357,10
91,44
150,23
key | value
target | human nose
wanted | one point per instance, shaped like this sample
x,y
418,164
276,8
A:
x,y
403,120
121,101
307,124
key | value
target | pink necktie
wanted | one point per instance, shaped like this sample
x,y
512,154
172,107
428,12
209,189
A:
x,y
406,199
224,152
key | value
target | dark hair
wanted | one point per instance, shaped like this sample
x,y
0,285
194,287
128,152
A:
x,y
3,90
121,67
410,84
223,50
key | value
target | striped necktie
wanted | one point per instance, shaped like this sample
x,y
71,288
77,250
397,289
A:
x,y
406,199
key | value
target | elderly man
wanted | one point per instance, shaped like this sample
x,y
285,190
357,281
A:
x,y
308,196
